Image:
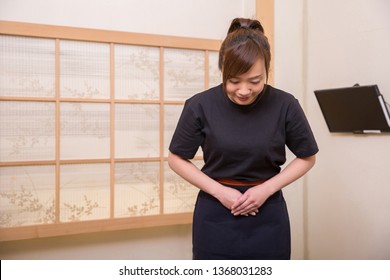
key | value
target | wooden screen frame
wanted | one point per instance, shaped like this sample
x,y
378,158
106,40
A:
x,y
111,37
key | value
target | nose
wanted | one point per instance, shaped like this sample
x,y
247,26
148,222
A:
x,y
244,90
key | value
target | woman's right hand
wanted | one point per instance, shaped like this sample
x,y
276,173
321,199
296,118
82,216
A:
x,y
188,171
228,196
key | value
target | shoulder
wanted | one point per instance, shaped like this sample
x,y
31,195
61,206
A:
x,y
283,99
205,96
206,100
283,102
202,103
280,95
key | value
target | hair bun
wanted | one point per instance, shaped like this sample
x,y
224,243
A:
x,y
245,23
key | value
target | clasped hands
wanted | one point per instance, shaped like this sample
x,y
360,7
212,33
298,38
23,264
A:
x,y
247,203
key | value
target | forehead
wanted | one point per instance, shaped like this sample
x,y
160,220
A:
x,y
257,69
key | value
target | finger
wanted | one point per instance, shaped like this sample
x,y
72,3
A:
x,y
244,204
249,210
244,209
239,202
252,213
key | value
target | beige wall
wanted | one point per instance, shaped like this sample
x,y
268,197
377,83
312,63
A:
x,y
348,42
346,197
189,18
163,243
288,36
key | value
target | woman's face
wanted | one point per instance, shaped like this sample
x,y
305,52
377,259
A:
x,y
244,89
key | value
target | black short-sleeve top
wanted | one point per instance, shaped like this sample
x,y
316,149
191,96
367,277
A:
x,y
243,142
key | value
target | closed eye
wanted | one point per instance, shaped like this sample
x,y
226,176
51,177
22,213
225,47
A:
x,y
235,82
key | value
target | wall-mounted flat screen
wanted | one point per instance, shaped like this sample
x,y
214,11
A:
x,y
357,109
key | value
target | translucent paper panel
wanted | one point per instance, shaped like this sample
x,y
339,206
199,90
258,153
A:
x,y
137,130
85,130
179,195
215,76
137,72
27,67
27,195
171,117
85,69
27,131
183,73
84,192
137,189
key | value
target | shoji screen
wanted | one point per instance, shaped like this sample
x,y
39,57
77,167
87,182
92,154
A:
x,y
85,125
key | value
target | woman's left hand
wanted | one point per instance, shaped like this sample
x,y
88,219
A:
x,y
250,201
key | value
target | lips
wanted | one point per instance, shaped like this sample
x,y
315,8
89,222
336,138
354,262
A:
x,y
243,99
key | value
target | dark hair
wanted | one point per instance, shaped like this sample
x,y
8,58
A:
x,y
244,44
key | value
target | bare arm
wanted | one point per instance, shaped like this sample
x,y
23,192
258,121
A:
x,y
251,200
189,172
256,196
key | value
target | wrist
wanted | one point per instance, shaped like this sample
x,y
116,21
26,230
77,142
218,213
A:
x,y
216,191
268,188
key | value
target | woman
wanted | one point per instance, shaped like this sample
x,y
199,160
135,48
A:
x,y
243,127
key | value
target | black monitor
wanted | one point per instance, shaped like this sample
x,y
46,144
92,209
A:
x,y
357,109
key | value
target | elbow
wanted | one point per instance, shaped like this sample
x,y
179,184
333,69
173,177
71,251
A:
x,y
173,160
308,162
312,160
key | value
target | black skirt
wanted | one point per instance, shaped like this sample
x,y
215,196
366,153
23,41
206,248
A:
x,y
219,235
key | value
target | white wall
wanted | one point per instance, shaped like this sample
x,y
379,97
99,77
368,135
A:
x,y
346,197
163,243
348,42
188,18
288,69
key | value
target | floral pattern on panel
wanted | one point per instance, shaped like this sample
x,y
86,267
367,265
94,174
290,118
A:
x,y
137,130
27,131
27,67
78,211
145,208
25,201
179,195
84,192
26,195
184,73
137,188
85,70
137,72
87,127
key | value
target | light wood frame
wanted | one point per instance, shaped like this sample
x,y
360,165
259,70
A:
x,y
265,14
112,37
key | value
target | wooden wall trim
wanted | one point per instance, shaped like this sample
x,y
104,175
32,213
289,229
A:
x,y
265,14
106,36
61,229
